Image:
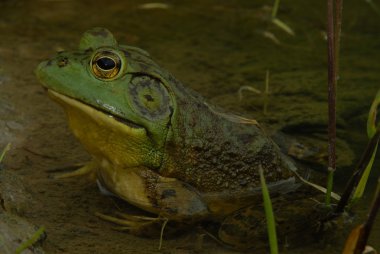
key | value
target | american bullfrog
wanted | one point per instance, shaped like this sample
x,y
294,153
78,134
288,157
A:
x,y
160,146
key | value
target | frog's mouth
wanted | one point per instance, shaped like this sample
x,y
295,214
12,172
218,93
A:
x,y
94,112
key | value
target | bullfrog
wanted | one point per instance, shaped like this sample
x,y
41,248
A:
x,y
159,146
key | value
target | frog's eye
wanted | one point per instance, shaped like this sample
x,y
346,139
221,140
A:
x,y
105,65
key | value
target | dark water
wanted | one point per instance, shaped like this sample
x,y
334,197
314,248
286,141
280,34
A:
x,y
214,47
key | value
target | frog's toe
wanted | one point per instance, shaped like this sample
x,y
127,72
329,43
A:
x,y
76,170
137,217
136,224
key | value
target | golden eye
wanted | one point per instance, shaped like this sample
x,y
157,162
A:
x,y
105,65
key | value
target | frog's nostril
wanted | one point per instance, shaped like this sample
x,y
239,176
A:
x,y
62,62
48,63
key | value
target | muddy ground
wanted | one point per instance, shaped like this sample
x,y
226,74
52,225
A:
x,y
213,47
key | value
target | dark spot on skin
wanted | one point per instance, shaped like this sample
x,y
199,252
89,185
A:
x,y
63,62
143,66
245,138
170,116
168,193
243,182
239,216
2,203
127,54
148,97
253,221
171,210
234,230
49,63
187,186
79,54
102,33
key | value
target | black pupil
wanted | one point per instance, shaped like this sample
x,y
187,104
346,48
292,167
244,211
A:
x,y
106,63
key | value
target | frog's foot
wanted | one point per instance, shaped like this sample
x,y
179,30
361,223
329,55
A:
x,y
244,229
81,170
137,224
296,223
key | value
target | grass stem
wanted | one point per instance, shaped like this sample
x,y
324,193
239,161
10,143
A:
x,y
32,240
275,8
6,149
162,233
334,24
271,224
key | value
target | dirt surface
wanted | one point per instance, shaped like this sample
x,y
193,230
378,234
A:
x,y
213,47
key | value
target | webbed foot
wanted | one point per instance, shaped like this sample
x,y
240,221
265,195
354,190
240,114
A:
x,y
136,224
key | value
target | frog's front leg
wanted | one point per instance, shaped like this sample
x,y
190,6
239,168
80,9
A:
x,y
169,198
175,199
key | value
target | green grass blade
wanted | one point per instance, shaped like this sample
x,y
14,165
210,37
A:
x,y
371,130
275,8
283,26
271,225
371,122
35,237
6,149
363,181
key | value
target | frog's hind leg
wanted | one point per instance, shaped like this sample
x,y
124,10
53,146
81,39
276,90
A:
x,y
81,170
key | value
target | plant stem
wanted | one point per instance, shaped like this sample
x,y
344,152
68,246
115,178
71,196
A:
x,y
370,220
331,99
337,29
275,8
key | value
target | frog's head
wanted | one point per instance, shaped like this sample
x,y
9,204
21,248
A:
x,y
117,102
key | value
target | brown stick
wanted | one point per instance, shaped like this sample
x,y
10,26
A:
x,y
331,97
337,29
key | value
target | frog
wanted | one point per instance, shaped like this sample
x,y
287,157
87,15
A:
x,y
160,146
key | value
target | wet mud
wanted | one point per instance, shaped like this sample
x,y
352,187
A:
x,y
213,47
